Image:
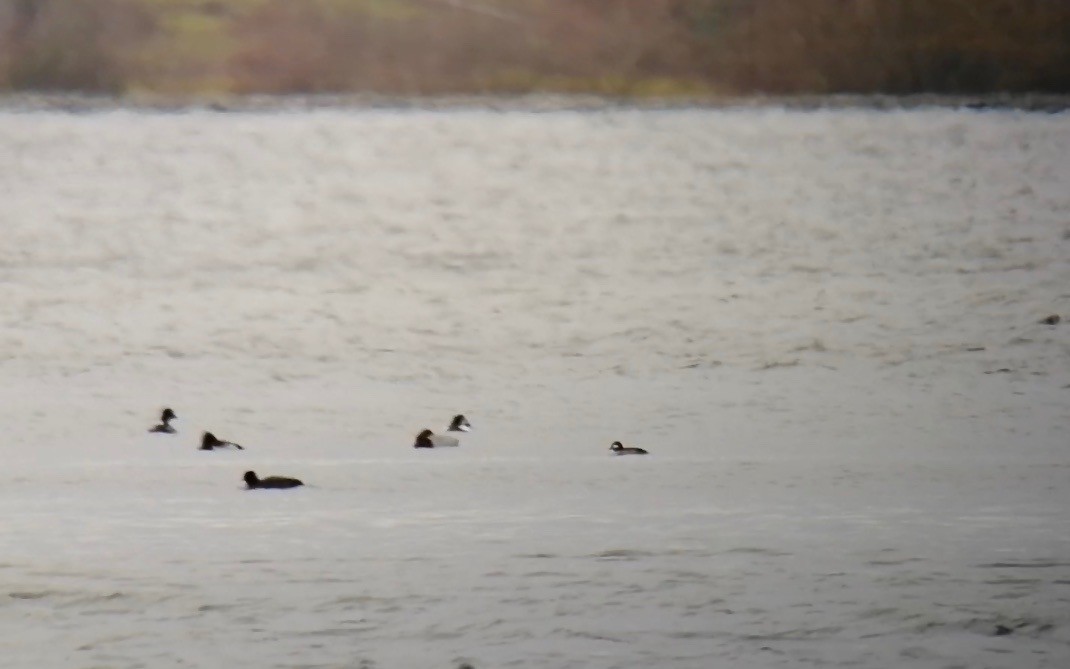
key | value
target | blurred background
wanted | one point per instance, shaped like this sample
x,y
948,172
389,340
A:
x,y
639,48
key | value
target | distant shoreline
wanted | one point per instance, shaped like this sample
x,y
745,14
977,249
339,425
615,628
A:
x,y
541,102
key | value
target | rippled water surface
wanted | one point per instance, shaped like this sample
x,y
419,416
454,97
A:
x,y
823,325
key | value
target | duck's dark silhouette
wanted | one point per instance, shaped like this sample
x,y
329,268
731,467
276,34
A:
x,y
619,449
166,416
210,442
253,481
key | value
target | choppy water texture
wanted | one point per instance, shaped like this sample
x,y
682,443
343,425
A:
x,y
824,326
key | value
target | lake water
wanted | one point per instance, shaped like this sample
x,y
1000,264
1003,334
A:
x,y
823,325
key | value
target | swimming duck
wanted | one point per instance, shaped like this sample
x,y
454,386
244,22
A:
x,y
618,449
253,481
165,422
428,439
209,441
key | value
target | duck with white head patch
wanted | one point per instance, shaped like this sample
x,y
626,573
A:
x,y
428,439
459,424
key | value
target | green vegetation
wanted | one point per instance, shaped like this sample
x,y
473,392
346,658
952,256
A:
x,y
659,48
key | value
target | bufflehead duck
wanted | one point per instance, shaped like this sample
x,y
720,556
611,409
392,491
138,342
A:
x,y
165,422
428,439
209,441
253,481
618,449
459,424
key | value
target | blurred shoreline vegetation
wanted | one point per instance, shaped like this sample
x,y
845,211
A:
x,y
637,48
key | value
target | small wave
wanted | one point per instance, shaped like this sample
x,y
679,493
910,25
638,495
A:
x,y
1036,564
40,594
754,550
621,554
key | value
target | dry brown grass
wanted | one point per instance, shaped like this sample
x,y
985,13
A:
x,y
447,48
288,47
901,46
604,46
71,44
